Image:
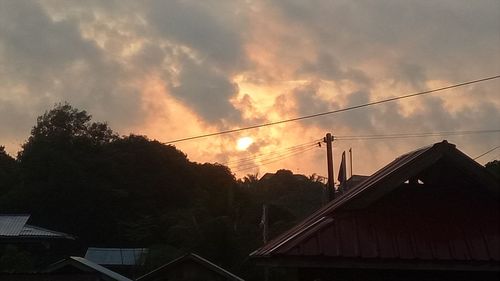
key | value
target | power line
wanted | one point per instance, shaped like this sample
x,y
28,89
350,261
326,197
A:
x,y
335,111
276,157
414,135
257,156
491,150
274,160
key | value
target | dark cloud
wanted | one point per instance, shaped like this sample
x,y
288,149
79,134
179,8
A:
x,y
50,61
215,51
34,43
207,92
433,34
209,29
327,67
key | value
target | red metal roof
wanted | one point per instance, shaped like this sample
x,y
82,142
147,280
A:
x,y
453,216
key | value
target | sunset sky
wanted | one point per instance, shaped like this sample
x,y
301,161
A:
x,y
176,69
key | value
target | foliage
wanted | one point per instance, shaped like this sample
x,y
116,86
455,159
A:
x,y
9,171
13,259
78,176
494,167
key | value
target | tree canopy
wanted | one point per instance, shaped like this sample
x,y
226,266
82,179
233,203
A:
x,y
78,176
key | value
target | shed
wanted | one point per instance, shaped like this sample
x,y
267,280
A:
x,y
190,267
431,214
14,228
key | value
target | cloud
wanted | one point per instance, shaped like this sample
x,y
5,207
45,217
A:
x,y
207,92
212,29
51,62
229,64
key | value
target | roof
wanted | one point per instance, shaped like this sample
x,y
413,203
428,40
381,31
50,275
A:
x,y
14,226
86,266
116,256
191,257
270,176
379,219
352,182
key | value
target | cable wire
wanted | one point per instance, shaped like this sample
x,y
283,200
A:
x,y
257,156
414,135
283,155
239,169
491,150
335,111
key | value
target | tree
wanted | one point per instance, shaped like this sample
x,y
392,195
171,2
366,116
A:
x,y
494,168
9,172
63,173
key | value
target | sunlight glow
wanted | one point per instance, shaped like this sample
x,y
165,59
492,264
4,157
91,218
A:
x,y
244,143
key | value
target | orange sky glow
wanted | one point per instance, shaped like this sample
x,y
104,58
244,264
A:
x,y
176,69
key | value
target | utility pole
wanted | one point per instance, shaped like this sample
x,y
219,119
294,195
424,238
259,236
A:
x,y
328,139
350,159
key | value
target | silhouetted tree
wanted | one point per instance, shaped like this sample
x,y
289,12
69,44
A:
x,y
9,172
78,176
494,168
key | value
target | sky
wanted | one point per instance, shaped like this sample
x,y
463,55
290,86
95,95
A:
x,y
176,69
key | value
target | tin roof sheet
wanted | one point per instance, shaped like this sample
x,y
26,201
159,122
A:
x,y
116,256
12,225
35,231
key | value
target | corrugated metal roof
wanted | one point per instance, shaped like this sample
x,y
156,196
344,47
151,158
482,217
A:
x,y
116,256
12,225
86,265
411,223
35,231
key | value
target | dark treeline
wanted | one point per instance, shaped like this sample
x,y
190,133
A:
x,y
77,176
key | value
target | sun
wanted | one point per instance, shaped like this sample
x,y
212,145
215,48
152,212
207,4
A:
x,y
244,143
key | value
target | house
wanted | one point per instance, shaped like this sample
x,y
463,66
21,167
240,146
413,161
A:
x,y
431,214
14,230
190,267
270,176
127,261
78,266
24,246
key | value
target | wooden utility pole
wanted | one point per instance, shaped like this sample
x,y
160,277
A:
x,y
328,139
350,159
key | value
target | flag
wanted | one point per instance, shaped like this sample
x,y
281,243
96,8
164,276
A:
x,y
342,177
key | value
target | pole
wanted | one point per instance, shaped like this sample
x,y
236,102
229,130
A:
x,y
350,159
329,158
264,223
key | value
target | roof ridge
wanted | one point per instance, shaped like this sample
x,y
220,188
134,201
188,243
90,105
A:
x,y
196,257
396,165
